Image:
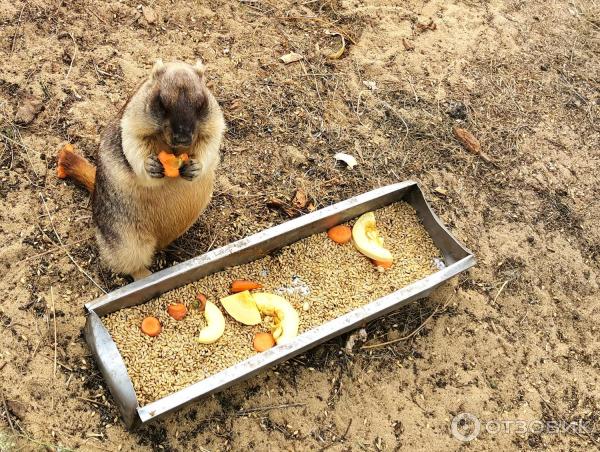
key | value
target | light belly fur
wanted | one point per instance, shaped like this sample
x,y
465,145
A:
x,y
175,206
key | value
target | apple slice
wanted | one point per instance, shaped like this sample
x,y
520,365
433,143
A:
x,y
242,307
215,324
367,240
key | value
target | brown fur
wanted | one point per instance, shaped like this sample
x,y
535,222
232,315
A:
x,y
136,211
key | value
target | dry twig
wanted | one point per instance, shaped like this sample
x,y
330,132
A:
x,y
55,335
438,308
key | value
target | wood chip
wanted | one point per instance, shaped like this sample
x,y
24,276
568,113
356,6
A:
x,y
347,159
469,142
440,191
291,57
28,110
424,27
300,199
279,203
408,45
149,14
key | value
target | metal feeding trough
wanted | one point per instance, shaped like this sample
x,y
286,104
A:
x,y
457,259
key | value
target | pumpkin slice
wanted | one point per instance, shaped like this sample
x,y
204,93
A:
x,y
242,307
286,317
367,240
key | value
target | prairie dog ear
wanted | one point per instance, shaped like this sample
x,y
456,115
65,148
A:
x,y
199,67
158,69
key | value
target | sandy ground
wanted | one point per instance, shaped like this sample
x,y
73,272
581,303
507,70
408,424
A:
x,y
515,339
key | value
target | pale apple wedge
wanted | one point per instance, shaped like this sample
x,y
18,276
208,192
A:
x,y
215,324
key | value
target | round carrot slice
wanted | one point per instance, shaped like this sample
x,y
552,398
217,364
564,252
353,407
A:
x,y
382,264
202,301
151,326
340,234
177,310
263,341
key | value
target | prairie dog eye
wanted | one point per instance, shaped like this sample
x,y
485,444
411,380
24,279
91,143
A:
x,y
202,105
161,104
158,106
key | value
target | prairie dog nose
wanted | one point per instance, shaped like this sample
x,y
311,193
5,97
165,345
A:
x,y
182,135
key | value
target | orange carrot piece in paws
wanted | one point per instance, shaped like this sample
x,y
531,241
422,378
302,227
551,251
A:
x,y
171,162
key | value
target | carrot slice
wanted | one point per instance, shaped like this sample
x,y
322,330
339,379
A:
x,y
239,285
171,162
382,264
202,300
340,234
151,326
177,310
263,341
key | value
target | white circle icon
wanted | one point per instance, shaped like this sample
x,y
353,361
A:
x,y
465,427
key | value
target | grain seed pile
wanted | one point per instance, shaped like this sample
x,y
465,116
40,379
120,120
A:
x,y
320,278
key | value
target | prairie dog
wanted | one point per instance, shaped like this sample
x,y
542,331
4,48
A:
x,y
136,210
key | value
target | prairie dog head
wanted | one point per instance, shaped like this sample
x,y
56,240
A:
x,y
178,102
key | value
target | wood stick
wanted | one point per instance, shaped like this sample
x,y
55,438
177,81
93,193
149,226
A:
x,y
14,41
268,408
55,335
7,414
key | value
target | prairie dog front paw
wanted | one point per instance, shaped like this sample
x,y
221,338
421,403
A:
x,y
153,167
190,169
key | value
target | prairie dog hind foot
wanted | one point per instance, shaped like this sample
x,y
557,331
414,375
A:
x,y
140,274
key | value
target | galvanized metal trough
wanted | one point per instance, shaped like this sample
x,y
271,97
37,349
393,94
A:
x,y
457,259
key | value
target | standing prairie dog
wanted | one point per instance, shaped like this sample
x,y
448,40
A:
x,y
136,210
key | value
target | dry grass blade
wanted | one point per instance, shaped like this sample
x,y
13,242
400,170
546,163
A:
x,y
438,308
327,23
500,291
55,335
14,41
65,249
269,408
54,248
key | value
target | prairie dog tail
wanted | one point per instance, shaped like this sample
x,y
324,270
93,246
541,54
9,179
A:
x,y
73,166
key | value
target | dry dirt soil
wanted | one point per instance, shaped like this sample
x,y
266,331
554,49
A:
x,y
515,338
